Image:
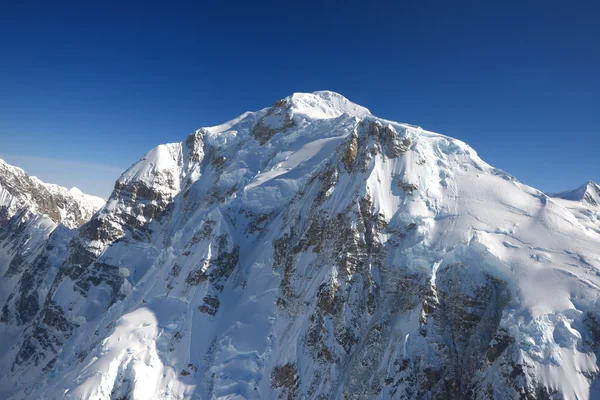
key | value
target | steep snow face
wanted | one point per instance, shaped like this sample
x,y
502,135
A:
x,y
313,250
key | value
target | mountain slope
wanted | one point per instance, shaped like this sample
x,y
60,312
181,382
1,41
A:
x,y
312,250
30,210
36,220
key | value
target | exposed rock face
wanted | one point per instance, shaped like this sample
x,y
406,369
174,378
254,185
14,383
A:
x,y
308,250
277,119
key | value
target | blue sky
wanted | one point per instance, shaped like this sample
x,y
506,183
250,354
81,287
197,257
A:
x,y
87,89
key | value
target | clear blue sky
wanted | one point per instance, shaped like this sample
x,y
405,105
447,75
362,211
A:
x,y
86,90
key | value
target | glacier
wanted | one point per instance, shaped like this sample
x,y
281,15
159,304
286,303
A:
x,y
307,250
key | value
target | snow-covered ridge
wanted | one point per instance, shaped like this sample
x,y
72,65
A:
x,y
324,104
583,203
97,202
18,191
588,193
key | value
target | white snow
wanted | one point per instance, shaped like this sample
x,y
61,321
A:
x,y
302,155
324,105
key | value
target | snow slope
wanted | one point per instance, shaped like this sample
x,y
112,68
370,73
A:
x,y
312,250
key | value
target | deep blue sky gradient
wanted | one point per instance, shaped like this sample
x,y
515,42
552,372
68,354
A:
x,y
86,88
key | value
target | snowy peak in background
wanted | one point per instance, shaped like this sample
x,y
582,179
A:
x,y
583,203
307,250
96,202
20,191
588,193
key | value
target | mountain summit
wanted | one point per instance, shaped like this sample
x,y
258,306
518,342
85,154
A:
x,y
588,193
311,250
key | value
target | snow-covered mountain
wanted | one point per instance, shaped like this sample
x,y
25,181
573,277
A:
x,y
34,217
19,192
588,193
311,250
29,211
